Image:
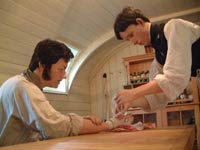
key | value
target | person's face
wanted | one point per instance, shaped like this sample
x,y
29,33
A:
x,y
136,34
57,73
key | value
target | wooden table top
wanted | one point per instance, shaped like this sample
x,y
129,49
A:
x,y
180,138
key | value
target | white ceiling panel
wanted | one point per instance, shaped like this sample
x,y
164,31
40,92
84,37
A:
x,y
82,23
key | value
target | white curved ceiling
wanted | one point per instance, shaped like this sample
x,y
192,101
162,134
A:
x,y
83,21
86,24
96,18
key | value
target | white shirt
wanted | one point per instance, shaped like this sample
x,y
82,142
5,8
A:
x,y
174,76
21,99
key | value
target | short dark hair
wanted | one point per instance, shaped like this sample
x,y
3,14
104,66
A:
x,y
127,17
48,52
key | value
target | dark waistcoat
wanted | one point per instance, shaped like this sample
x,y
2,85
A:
x,y
159,43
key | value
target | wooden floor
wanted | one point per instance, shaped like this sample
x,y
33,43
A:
x,y
181,138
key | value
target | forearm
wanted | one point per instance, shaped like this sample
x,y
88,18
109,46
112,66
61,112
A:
x,y
140,92
141,102
147,89
89,127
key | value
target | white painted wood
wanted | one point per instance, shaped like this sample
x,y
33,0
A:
x,y
3,78
14,46
11,69
81,113
121,70
81,82
15,58
87,25
79,90
117,78
93,97
107,97
24,25
20,36
70,106
79,98
68,98
100,95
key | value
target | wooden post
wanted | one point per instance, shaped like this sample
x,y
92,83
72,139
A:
x,y
196,112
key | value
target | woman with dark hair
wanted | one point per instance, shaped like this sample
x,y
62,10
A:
x,y
177,53
25,113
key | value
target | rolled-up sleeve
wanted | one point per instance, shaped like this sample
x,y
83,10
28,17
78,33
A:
x,y
160,100
177,68
156,101
44,118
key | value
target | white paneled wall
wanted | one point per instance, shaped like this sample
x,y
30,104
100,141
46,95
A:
x,y
22,25
102,90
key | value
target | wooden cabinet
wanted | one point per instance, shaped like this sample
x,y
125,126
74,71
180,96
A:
x,y
146,117
183,111
138,68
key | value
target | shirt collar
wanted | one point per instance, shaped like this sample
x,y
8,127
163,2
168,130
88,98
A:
x,y
32,77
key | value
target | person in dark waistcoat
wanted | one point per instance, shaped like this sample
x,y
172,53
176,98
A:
x,y
177,52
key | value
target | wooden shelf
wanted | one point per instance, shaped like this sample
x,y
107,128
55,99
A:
x,y
181,102
139,58
138,63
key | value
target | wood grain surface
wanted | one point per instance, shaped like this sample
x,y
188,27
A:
x,y
181,138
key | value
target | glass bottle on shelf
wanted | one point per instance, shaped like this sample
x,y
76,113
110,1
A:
x,y
134,77
142,74
138,77
146,75
131,78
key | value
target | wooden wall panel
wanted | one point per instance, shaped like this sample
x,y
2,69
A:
x,y
106,95
11,69
18,35
22,25
99,94
3,78
69,98
79,98
70,106
116,79
81,82
19,11
7,70
45,9
14,58
14,46
93,97
25,22
81,113
79,90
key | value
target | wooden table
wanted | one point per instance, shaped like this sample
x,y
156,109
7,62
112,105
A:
x,y
181,138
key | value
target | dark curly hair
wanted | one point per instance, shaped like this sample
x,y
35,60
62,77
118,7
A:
x,y
125,18
48,52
